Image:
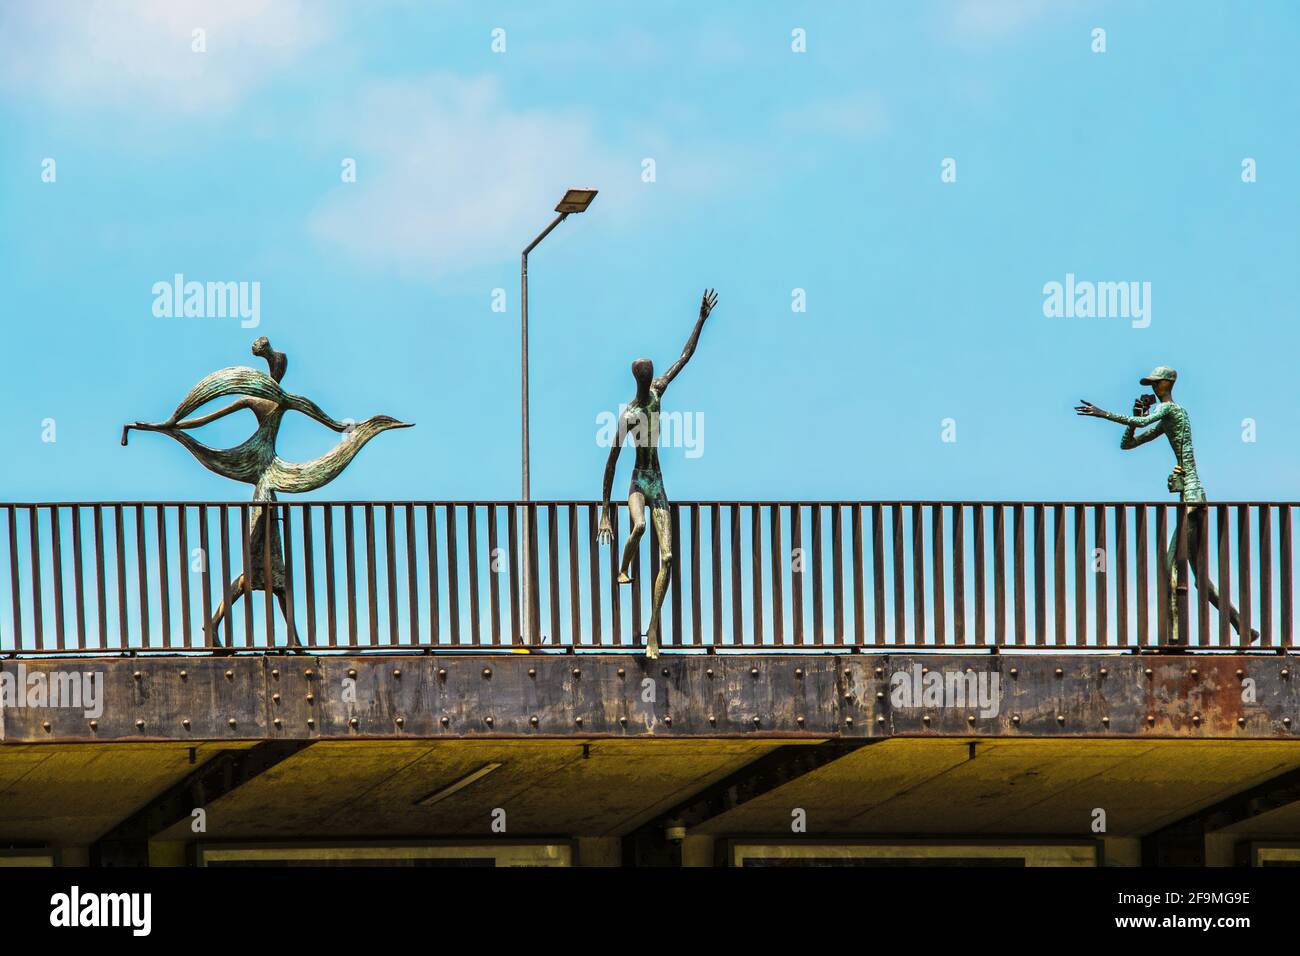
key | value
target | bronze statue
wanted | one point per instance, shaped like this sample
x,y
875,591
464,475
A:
x,y
641,420
1171,420
255,461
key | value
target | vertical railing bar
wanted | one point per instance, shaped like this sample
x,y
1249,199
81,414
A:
x,y
164,586
778,583
56,559
512,530
453,579
634,592
575,590
958,573
615,605
119,543
34,535
756,569
350,570
1040,575
1143,561
837,573
1121,576
531,570
290,624
309,572
977,542
183,573
715,532
553,571
205,578
431,547
1245,581
245,530
940,609
101,584
819,627
1266,575
675,572
1224,551
227,593
15,586
1202,559
390,568
79,594
737,611
471,538
1184,575
796,573
142,575
593,570
1284,585
859,592
697,599
900,609
270,525
1058,574
1162,574
918,574
999,575
1018,573
1080,636
878,571
494,571
372,575
331,607
1101,568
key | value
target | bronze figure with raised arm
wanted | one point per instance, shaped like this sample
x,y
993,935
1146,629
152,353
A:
x,y
1171,420
640,421
255,461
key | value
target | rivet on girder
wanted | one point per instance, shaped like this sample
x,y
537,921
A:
x,y
713,720
709,672
798,672
880,672
926,720
753,672
311,698
1015,718
799,720
880,719
880,695
925,670
1240,673
45,724
668,720
1286,721
137,675
487,672
400,721
1105,721
1285,673
184,675
186,723
230,675
139,725
1149,672
1015,672
1151,719
489,721
757,722
275,672
276,721
442,673
532,672
623,721
578,721
1195,672
231,723
576,673
1060,719
967,669
971,720
309,673
352,672
848,696
276,698
445,721
848,721
1196,719
1241,721
533,720
1060,672
311,721
1102,672
397,672
94,725
621,671
352,722
664,672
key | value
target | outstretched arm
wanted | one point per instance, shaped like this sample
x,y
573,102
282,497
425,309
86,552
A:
x,y
1137,420
707,303
188,423
606,533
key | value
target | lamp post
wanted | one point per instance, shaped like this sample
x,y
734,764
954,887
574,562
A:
x,y
575,200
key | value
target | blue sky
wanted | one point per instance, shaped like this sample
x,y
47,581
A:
x,y
774,171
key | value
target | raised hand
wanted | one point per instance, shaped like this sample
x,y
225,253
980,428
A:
x,y
707,303
1089,409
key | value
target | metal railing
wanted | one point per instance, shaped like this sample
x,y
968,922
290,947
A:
x,y
114,577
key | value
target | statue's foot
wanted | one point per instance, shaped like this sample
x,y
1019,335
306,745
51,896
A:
x,y
1254,636
652,651
624,578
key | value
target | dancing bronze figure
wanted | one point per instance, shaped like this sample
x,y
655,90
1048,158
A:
x,y
1171,420
640,420
254,461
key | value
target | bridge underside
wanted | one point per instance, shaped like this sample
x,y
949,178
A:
x,y
1162,759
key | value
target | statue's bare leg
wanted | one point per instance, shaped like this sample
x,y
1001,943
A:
x,y
636,513
1195,528
237,587
664,530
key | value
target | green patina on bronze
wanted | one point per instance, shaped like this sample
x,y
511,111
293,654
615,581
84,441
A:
x,y
255,461
1172,421
640,422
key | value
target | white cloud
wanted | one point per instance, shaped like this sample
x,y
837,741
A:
x,y
83,53
451,176
989,19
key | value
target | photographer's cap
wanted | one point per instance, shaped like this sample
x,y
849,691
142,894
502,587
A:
x,y
1161,373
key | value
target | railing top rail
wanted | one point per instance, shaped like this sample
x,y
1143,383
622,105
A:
x,y
843,502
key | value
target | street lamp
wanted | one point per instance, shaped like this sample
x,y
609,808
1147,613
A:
x,y
575,200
